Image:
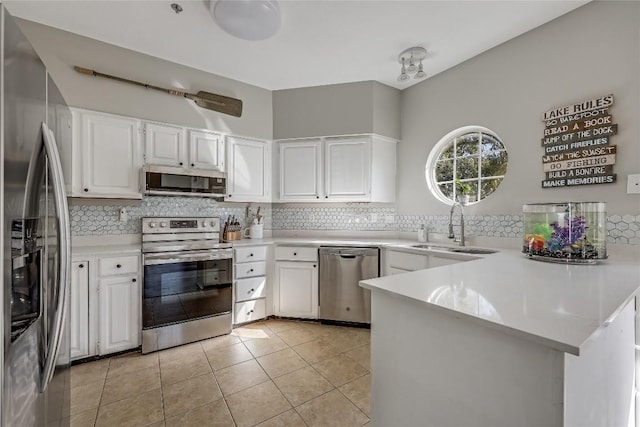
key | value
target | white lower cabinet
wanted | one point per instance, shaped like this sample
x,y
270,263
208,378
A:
x,y
105,304
397,262
119,313
296,282
250,283
79,310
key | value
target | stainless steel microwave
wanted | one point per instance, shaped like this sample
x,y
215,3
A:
x,y
173,181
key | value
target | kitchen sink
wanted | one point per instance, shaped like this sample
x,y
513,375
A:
x,y
478,251
457,249
436,247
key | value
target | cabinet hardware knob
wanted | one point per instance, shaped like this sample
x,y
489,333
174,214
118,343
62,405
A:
x,y
251,291
250,311
192,165
119,265
86,190
81,266
250,254
229,195
251,271
314,266
180,163
317,197
134,280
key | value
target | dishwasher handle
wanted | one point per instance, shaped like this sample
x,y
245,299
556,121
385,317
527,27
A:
x,y
348,252
347,256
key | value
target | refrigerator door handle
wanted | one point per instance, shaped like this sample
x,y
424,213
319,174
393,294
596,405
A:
x,y
64,240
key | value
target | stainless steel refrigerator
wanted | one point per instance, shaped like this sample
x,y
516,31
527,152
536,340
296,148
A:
x,y
35,238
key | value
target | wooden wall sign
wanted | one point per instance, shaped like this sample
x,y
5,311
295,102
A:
x,y
576,142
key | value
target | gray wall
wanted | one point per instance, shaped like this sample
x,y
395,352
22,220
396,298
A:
x,y
61,50
341,109
592,51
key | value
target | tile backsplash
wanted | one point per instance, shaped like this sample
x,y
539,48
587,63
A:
x,y
99,217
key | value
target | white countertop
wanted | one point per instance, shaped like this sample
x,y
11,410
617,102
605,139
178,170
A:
x,y
560,306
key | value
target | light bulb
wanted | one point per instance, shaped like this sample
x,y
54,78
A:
x,y
412,66
403,73
420,74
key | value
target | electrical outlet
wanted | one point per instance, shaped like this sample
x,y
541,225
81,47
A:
x,y
123,216
374,217
389,218
633,184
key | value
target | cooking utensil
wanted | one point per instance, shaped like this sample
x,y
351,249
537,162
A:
x,y
210,101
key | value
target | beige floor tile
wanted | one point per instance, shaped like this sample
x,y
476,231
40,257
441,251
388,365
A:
x,y
321,330
240,376
315,351
140,410
158,424
252,331
189,394
180,352
256,404
218,342
83,419
331,409
359,392
362,355
87,372
192,365
302,385
281,362
130,384
86,396
340,369
215,414
261,346
297,335
279,325
347,339
131,362
222,357
286,419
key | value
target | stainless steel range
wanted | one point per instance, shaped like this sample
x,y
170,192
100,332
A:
x,y
187,292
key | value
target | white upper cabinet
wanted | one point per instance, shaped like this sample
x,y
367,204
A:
x,y
206,150
249,170
164,145
167,145
332,169
301,170
106,156
347,169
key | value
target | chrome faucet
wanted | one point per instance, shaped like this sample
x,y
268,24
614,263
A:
x,y
451,224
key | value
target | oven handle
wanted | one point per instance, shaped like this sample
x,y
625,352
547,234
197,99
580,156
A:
x,y
176,257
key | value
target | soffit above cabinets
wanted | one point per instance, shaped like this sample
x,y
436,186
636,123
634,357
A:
x,y
319,43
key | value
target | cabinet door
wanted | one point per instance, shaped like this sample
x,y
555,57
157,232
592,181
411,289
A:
x,y
206,150
249,171
119,313
296,289
79,310
300,171
348,169
111,156
163,145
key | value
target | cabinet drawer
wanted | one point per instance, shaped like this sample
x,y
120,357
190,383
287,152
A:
x,y
250,310
406,261
251,269
254,287
118,265
296,253
250,254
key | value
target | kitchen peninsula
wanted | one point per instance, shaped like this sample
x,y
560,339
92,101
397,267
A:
x,y
502,341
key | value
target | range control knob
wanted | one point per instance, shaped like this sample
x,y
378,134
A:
x,y
152,225
163,224
214,223
204,224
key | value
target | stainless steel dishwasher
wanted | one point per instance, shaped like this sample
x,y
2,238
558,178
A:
x,y
341,268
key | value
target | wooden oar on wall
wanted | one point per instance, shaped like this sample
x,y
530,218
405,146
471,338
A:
x,y
210,101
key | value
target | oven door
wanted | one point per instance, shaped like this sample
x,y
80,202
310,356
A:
x,y
180,287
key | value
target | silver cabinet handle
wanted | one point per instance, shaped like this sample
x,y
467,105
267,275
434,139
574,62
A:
x,y
64,251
